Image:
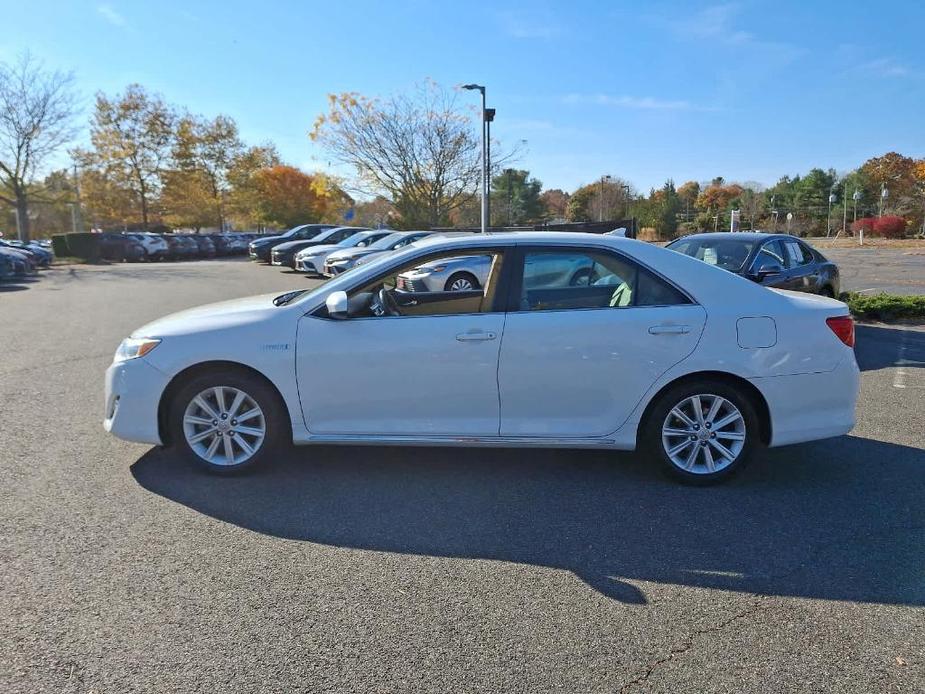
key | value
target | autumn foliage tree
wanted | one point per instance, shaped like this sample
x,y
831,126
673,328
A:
x,y
287,196
132,136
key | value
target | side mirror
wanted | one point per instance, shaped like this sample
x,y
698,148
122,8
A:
x,y
337,305
767,269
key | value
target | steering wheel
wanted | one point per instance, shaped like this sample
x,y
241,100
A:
x,y
388,303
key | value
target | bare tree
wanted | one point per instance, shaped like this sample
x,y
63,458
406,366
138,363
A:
x,y
419,150
37,109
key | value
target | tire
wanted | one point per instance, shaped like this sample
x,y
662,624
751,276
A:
x,y
705,463
582,278
827,291
187,419
457,281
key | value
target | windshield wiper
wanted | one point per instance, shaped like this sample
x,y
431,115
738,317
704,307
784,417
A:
x,y
284,299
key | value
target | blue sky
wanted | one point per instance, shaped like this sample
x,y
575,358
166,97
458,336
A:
x,y
644,90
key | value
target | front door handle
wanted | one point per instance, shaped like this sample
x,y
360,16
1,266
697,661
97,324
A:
x,y
669,329
476,336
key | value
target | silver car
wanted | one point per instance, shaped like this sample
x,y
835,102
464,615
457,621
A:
x,y
341,261
471,272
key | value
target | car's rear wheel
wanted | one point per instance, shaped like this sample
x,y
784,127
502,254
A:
x,y
461,282
827,291
702,431
228,421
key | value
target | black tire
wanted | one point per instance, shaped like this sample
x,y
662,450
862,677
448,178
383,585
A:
x,y
448,287
652,442
827,291
275,419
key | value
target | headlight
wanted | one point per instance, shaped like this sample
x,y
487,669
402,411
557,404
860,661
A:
x,y
429,270
134,347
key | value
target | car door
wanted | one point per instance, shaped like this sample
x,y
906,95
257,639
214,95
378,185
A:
x,y
802,270
770,265
431,371
578,356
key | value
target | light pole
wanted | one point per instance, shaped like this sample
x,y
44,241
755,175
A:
x,y
856,196
884,194
828,219
481,89
605,177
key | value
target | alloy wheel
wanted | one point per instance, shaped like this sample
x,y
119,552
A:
x,y
703,434
461,284
224,425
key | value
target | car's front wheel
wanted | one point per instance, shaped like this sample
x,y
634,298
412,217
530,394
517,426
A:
x,y
461,282
702,431
227,421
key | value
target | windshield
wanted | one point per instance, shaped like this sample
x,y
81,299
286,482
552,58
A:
x,y
354,240
385,243
729,254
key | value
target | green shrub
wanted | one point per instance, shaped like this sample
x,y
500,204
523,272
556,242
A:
x,y
885,307
59,245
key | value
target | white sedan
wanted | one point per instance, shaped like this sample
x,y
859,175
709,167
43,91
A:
x,y
691,364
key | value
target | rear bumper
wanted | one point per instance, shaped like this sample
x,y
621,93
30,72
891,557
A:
x,y
132,393
808,407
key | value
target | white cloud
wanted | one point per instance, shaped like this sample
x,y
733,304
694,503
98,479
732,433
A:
x,y
634,102
717,23
535,24
110,15
884,67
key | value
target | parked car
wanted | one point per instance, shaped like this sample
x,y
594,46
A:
x,y
259,249
7,267
696,366
341,261
20,261
773,260
311,260
205,245
121,247
155,245
285,253
181,246
40,255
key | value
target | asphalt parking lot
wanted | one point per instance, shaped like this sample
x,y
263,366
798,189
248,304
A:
x,y
371,570
872,270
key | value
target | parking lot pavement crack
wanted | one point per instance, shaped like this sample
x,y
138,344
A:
x,y
688,643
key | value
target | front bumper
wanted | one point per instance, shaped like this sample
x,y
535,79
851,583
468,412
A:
x,y
257,253
133,391
330,270
308,265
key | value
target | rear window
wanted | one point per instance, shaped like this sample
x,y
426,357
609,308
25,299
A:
x,y
729,254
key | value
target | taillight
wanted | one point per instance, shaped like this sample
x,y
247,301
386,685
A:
x,y
843,327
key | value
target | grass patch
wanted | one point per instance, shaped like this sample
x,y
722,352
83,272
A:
x,y
884,307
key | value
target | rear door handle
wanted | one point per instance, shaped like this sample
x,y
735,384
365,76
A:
x,y
476,337
669,329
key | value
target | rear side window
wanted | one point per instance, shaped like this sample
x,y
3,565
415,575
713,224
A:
x,y
797,254
558,280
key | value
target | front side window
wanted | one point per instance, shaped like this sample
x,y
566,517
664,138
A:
x,y
557,280
447,284
770,257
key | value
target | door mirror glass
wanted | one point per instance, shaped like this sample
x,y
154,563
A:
x,y
337,305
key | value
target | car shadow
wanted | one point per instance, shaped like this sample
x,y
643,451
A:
x,y
12,287
838,520
882,347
